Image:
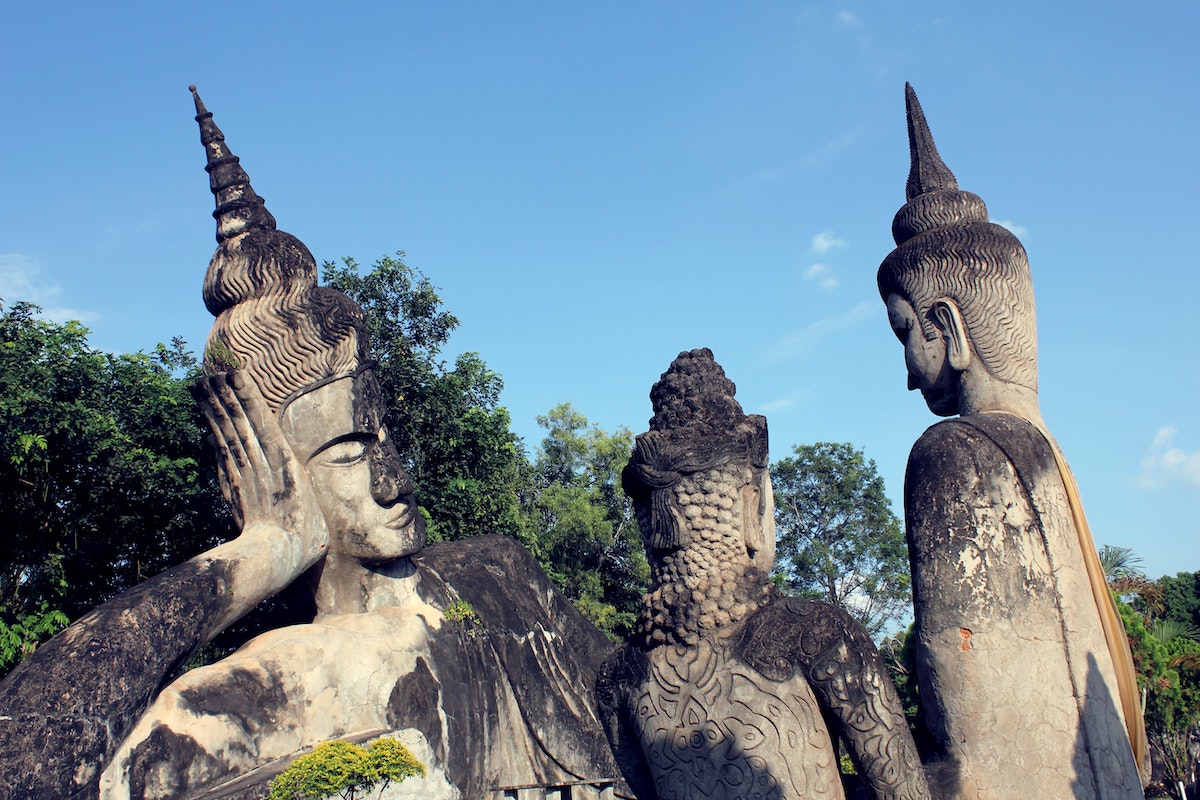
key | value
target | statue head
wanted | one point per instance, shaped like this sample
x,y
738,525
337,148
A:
x,y
701,491
305,347
958,287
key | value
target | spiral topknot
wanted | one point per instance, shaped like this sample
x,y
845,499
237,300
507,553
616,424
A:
x,y
697,426
947,248
694,394
273,321
238,207
934,199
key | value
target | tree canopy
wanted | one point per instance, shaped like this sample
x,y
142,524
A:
x,y
447,422
581,526
105,478
837,537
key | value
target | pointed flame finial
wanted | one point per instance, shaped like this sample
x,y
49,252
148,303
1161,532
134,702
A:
x,y
928,171
934,199
239,209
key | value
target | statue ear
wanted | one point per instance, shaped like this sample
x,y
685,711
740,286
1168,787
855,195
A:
x,y
958,345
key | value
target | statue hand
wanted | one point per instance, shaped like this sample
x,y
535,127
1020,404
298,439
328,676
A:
x,y
260,476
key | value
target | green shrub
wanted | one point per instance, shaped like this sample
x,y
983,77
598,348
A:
x,y
344,769
464,612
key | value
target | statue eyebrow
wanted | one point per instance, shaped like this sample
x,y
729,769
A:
x,y
353,436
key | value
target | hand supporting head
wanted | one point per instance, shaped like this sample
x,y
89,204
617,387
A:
x,y
304,348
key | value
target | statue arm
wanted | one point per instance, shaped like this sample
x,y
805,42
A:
x,y
851,683
89,684
620,670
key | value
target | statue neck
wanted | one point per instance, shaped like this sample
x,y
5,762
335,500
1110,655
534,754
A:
x,y
701,592
980,392
347,586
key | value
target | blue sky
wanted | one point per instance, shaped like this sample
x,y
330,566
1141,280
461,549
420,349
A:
x,y
596,187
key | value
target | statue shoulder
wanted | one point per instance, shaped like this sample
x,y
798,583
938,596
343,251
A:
x,y
793,635
509,591
949,440
981,444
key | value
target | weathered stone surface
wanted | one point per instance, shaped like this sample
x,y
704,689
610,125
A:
x,y
498,695
67,706
1020,658
503,698
730,690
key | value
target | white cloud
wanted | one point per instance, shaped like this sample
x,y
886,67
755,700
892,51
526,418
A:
x,y
805,161
21,279
1165,464
825,241
848,18
823,275
790,402
777,405
806,341
1014,228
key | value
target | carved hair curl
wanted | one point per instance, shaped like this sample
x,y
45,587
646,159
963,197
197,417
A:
x,y
697,425
947,248
273,321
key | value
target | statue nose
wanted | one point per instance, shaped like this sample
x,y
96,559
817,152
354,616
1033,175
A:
x,y
389,479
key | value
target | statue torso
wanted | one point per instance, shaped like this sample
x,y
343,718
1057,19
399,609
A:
x,y
711,726
446,688
1008,637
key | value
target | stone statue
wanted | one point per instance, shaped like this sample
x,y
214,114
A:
x,y
498,694
1025,674
730,690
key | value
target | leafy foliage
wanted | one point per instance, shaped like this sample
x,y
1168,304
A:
x,y
1181,597
1166,657
345,769
447,422
837,537
104,475
900,656
21,637
463,612
582,529
1125,576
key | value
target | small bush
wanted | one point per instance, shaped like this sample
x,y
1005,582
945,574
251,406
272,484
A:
x,y
464,612
344,769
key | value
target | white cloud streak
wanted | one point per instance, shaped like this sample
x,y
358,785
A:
x,y
1165,464
21,279
823,276
805,342
825,241
1014,228
805,161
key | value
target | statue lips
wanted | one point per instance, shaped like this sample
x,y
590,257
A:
x,y
404,519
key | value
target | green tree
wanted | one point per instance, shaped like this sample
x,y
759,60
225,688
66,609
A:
x,y
900,655
1167,676
105,478
447,422
582,529
344,769
1123,571
837,537
1181,597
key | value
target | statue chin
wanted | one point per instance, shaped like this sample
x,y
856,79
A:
x,y
386,543
944,404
